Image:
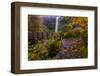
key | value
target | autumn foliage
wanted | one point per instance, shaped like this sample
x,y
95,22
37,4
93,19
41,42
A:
x,y
71,40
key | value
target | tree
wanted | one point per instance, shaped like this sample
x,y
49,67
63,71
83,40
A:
x,y
35,24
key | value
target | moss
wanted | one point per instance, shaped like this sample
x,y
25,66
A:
x,y
83,52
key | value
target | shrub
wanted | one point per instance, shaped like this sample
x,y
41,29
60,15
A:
x,y
53,46
37,51
65,28
83,52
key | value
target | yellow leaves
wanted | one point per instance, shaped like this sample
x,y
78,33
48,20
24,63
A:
x,y
76,21
77,30
82,21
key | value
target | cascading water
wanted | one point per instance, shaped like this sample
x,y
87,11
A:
x,y
56,27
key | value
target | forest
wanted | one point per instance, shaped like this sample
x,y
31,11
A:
x,y
57,37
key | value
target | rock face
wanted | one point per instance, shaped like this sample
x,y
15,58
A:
x,y
69,50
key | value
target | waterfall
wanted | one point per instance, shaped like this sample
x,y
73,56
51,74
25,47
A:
x,y
56,27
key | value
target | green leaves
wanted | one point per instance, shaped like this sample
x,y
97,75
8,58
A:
x,y
37,51
72,30
44,49
83,52
65,28
53,47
